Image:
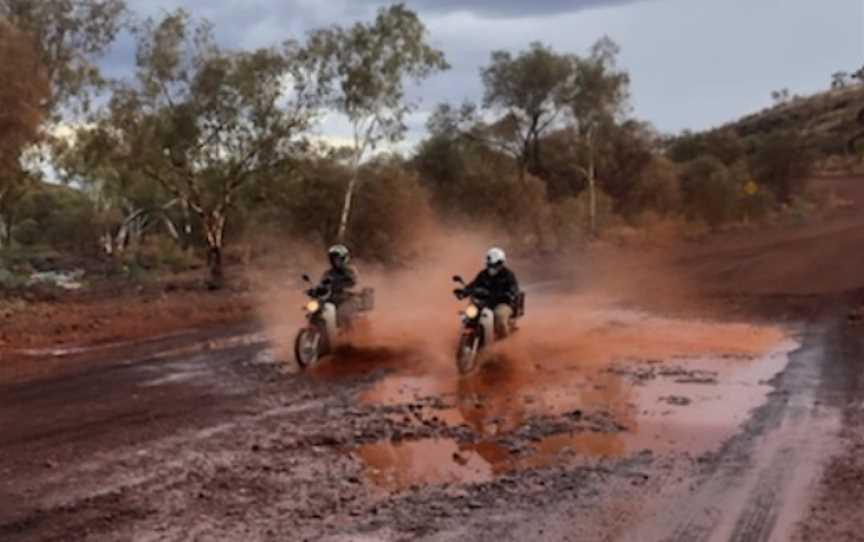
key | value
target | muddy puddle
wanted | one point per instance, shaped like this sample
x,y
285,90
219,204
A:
x,y
618,385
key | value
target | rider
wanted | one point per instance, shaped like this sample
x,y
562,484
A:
x,y
341,278
502,286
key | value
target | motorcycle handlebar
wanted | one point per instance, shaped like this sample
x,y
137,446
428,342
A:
x,y
319,291
473,292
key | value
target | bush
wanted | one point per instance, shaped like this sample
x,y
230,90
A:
x,y
27,232
657,189
390,209
390,206
8,280
723,144
158,253
757,206
57,216
799,210
168,254
569,220
710,191
782,162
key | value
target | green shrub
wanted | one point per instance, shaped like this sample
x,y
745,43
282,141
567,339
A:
x,y
657,188
710,191
783,162
160,253
800,210
28,232
8,280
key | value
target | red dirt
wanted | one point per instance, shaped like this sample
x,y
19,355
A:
x,y
108,313
141,442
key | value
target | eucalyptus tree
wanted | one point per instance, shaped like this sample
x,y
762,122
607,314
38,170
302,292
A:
x,y
203,122
364,68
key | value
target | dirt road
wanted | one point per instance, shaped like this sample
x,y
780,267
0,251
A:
x,y
606,422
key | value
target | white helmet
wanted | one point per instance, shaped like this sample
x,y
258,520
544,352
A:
x,y
495,259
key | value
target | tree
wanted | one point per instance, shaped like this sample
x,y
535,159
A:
x,y
781,96
852,142
596,97
657,188
621,153
64,39
723,143
20,116
203,122
530,90
364,67
130,202
464,175
68,36
840,80
710,190
782,162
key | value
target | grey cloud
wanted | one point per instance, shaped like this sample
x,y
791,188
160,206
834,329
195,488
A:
x,y
507,8
694,63
237,25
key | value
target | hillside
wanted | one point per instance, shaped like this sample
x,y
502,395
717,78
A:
x,y
829,120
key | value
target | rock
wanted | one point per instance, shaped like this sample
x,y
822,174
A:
x,y
676,400
696,380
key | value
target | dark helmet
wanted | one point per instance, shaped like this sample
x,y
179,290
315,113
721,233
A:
x,y
339,256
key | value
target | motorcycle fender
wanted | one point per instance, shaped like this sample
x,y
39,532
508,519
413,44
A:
x,y
487,320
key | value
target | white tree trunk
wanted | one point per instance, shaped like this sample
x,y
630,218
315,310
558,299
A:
x,y
215,224
172,229
107,241
346,208
349,195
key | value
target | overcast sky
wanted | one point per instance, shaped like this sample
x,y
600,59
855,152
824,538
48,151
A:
x,y
693,63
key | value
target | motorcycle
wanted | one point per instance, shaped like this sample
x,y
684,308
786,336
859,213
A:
x,y
478,324
324,328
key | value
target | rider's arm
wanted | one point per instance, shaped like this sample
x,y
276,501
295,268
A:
x,y
478,280
514,285
349,277
343,279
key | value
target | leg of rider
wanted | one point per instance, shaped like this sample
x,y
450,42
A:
x,y
503,313
346,311
329,313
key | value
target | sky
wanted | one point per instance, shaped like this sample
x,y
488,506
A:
x,y
693,64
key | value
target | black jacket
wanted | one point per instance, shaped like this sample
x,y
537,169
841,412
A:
x,y
502,286
341,280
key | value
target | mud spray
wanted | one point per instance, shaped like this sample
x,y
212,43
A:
x,y
587,309
596,324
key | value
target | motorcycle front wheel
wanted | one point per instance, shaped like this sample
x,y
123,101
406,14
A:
x,y
308,347
467,353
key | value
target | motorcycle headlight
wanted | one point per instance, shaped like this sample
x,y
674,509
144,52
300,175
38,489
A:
x,y
471,311
313,306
